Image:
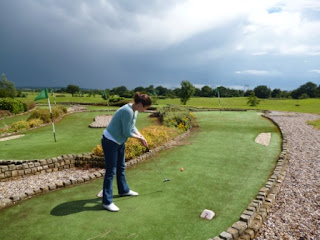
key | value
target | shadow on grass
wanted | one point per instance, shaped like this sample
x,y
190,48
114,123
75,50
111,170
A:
x,y
72,207
93,204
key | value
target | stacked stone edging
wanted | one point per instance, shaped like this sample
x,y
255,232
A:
x,y
19,168
252,218
10,169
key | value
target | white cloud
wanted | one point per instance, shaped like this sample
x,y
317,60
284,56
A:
x,y
259,53
253,72
315,71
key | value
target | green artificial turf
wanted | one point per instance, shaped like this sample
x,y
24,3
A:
x,y
72,133
8,121
224,170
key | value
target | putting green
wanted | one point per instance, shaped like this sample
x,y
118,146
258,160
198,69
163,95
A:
x,y
72,133
223,171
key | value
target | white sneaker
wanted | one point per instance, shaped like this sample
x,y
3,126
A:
x,y
130,193
100,194
111,207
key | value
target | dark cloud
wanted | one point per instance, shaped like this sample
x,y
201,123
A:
x,y
103,44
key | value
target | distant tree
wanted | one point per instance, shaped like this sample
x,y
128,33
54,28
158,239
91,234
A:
x,y
162,91
7,88
197,92
206,91
187,90
139,89
150,90
122,91
223,91
276,93
72,89
253,100
318,92
262,91
248,93
304,96
309,88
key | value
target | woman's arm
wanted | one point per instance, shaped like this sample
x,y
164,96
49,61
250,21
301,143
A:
x,y
141,138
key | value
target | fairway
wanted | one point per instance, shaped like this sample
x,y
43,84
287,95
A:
x,y
224,170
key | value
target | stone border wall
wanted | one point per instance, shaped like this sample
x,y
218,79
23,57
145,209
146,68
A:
x,y
257,211
11,169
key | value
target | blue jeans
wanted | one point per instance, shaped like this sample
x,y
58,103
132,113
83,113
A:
x,y
115,164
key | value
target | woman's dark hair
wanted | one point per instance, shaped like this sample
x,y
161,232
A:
x,y
142,98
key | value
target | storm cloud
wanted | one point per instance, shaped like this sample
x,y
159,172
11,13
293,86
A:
x,y
105,44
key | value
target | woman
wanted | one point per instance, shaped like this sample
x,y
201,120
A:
x,y
115,135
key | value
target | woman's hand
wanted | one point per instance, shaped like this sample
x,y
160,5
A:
x,y
143,141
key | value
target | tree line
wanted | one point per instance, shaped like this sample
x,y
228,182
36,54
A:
x,y
307,90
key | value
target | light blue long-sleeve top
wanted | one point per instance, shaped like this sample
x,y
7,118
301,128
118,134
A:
x,y
122,124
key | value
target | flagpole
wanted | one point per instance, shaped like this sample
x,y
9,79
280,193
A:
x,y
219,101
53,129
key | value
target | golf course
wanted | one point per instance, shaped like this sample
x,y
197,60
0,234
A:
x,y
224,168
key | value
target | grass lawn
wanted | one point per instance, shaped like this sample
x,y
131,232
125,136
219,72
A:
x,y
310,105
72,133
8,121
224,170
315,123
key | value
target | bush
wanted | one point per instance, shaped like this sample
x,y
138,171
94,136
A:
x,y
5,113
60,95
36,122
120,103
12,105
44,113
178,117
115,98
98,151
31,105
18,126
155,136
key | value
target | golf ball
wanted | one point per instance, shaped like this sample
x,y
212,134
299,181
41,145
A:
x,y
182,169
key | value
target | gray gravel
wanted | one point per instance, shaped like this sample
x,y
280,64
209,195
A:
x,y
34,182
296,213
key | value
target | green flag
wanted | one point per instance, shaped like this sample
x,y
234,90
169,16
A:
x,y
42,95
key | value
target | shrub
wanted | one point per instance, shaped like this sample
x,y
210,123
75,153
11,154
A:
x,y
253,100
18,126
31,105
44,113
115,98
178,117
5,113
12,105
155,136
98,151
35,122
120,103
60,95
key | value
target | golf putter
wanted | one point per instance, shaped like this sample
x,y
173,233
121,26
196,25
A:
x,y
164,179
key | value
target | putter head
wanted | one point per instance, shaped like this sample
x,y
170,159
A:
x,y
147,150
166,180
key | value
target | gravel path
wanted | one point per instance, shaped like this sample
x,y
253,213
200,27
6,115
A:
x,y
296,213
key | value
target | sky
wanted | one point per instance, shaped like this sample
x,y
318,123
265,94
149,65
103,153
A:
x,y
109,43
